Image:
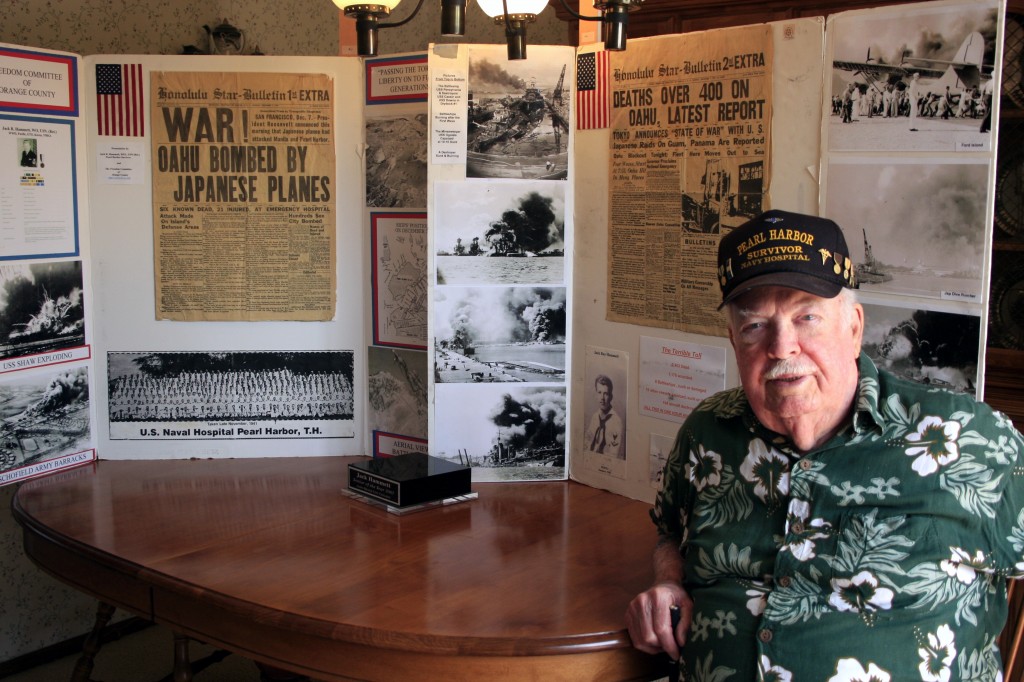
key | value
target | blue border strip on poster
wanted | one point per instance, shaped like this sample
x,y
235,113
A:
x,y
72,63
74,188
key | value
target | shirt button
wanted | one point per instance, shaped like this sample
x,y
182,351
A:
x,y
765,635
785,581
805,464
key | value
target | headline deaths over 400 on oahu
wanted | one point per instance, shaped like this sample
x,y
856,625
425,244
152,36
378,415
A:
x,y
680,110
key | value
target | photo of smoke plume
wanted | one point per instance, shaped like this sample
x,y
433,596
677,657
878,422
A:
x,y
507,233
41,307
499,334
913,227
43,416
927,346
505,433
519,113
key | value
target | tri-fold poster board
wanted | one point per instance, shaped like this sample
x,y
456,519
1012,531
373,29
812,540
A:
x,y
506,264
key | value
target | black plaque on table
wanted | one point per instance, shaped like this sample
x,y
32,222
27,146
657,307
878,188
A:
x,y
409,479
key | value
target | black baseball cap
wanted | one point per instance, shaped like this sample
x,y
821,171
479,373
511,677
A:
x,y
785,249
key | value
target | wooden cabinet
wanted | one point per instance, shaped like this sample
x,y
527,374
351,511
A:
x,y
660,17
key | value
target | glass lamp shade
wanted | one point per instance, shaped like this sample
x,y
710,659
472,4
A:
x,y
346,4
493,8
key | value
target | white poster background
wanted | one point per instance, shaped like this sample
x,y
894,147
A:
x,y
675,376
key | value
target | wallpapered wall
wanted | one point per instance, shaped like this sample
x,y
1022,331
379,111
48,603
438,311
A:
x,y
36,610
276,27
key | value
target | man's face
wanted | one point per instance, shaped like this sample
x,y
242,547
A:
x,y
604,397
797,356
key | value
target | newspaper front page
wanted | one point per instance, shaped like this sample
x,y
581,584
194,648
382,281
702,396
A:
x,y
690,145
243,196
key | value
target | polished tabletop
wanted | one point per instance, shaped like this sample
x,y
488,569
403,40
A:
x,y
270,558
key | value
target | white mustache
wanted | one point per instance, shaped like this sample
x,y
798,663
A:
x,y
787,367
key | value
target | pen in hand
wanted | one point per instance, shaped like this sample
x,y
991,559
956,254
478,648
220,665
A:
x,y
676,615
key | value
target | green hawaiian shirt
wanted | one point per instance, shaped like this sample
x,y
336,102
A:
x,y
882,555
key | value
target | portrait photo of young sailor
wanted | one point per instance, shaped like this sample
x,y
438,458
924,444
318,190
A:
x,y
826,521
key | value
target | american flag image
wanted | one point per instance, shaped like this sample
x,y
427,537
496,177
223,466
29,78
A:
x,y
119,100
592,107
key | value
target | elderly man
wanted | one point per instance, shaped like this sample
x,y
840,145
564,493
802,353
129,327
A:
x,y
828,522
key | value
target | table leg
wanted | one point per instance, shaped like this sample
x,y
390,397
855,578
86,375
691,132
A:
x,y
83,666
182,665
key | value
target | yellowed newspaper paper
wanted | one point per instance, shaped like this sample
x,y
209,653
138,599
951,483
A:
x,y
690,144
243,196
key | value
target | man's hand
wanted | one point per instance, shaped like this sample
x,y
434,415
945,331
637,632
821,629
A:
x,y
649,619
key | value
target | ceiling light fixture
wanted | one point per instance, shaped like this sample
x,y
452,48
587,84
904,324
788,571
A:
x,y
515,15
614,15
368,15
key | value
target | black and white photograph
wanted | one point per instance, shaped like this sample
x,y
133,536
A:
x,y
913,228
397,391
519,113
500,233
605,398
43,415
41,307
396,161
918,79
499,334
226,394
506,433
720,192
929,347
29,156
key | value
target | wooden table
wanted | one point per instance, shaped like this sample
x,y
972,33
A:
x,y
270,559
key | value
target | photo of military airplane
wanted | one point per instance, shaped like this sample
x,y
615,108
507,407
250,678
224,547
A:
x,y
966,70
921,80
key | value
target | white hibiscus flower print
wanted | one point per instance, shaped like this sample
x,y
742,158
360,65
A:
x,y
860,594
852,670
772,673
758,598
705,468
962,566
937,655
802,532
768,470
933,445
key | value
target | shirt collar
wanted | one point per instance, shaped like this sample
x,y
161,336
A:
x,y
866,414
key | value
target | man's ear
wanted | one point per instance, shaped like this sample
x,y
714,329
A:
x,y
857,326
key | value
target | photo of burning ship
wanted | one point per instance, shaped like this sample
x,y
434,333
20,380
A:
x,y
500,233
499,335
41,308
506,433
518,115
